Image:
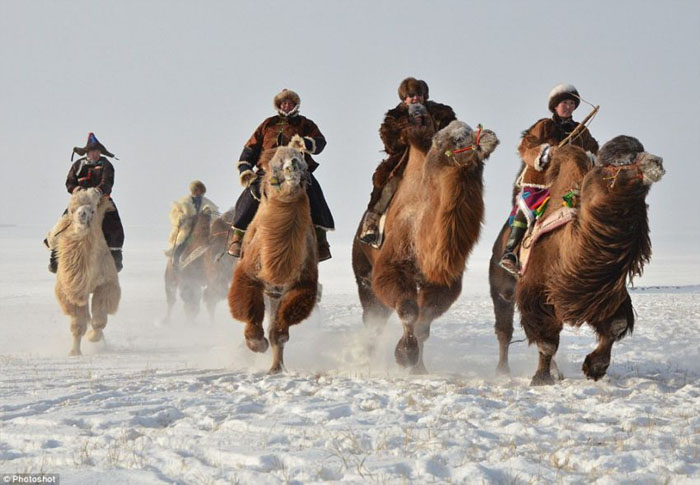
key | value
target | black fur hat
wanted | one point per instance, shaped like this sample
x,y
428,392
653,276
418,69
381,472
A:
x,y
92,143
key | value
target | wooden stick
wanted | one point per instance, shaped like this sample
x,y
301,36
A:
x,y
580,127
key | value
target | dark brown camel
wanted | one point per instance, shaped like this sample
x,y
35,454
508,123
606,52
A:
x,y
578,273
431,227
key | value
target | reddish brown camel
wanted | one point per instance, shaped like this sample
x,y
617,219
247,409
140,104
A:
x,y
431,227
279,257
579,272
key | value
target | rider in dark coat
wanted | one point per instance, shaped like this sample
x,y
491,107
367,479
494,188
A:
x,y
94,170
274,132
411,91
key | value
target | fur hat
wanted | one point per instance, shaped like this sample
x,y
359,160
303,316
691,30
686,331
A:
x,y
92,143
198,185
560,92
413,85
287,94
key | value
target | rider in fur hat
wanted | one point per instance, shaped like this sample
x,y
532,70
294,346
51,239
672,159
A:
x,y
94,170
274,132
535,151
411,91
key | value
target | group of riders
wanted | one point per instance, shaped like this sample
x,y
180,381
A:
x,y
95,170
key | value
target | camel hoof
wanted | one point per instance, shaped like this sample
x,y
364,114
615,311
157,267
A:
x,y
276,369
594,368
257,345
94,335
542,380
407,352
419,369
74,353
503,370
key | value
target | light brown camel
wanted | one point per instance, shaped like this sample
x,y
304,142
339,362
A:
x,y
579,272
86,267
431,227
197,268
279,257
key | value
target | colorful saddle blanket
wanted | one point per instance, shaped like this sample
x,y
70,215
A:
x,y
553,221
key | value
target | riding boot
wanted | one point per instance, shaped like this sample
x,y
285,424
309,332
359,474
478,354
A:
x,y
370,223
509,260
117,255
324,249
370,227
234,247
53,261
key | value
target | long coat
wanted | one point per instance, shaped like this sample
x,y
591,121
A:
x,y
274,132
551,131
392,134
278,131
84,173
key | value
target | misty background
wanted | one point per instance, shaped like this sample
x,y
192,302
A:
x,y
175,88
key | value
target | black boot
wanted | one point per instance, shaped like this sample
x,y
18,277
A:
x,y
117,255
53,261
324,249
509,260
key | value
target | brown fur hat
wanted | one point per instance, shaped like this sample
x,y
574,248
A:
x,y
413,85
198,185
287,94
92,143
560,92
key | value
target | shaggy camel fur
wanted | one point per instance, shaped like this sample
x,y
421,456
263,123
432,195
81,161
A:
x,y
197,268
431,227
86,267
578,273
279,257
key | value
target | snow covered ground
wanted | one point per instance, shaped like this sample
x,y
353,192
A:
x,y
187,402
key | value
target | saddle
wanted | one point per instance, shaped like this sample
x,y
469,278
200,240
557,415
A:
x,y
553,221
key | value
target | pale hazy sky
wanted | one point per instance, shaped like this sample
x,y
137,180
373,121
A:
x,y
175,88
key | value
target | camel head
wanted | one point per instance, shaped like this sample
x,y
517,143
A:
x,y
458,144
623,158
287,172
82,208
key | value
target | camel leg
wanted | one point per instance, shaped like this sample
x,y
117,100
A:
x,y
295,306
596,363
170,279
246,302
79,317
394,284
105,300
546,349
502,285
374,313
433,300
191,294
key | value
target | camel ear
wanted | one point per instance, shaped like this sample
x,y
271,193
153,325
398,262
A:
x,y
297,143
